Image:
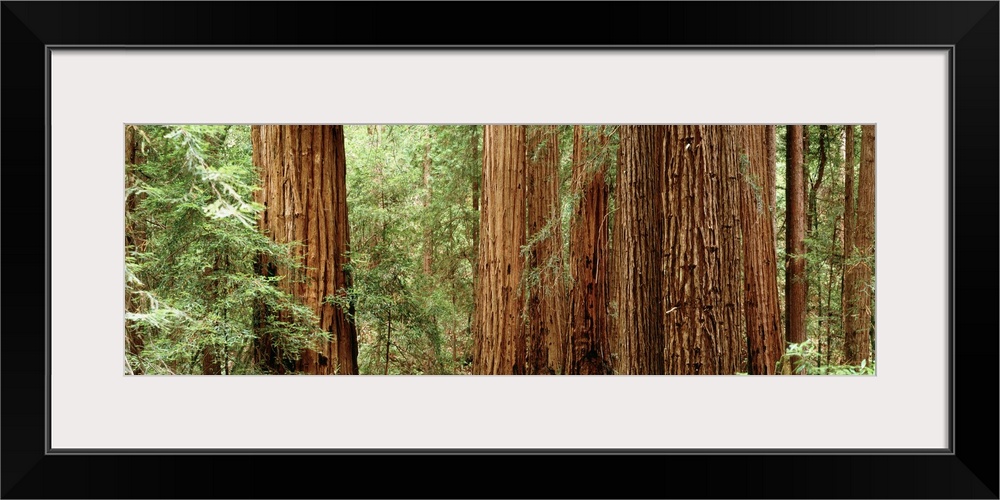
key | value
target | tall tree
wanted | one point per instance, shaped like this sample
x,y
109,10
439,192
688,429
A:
x,y
702,320
760,263
795,261
636,295
546,329
498,332
848,289
302,169
811,217
589,351
857,345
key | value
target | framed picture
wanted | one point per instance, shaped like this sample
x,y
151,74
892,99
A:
x,y
924,74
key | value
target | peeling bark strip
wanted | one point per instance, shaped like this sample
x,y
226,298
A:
x,y
795,261
702,319
303,171
760,264
498,328
636,296
589,350
857,347
546,311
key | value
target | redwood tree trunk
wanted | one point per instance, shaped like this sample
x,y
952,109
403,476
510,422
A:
x,y
760,262
588,322
499,343
795,262
636,295
858,341
303,174
701,314
546,300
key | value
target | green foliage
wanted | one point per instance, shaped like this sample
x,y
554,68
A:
x,y
191,285
417,315
805,359
195,290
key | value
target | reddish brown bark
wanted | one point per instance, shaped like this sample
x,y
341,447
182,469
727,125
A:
x,y
857,345
498,332
589,350
636,305
304,192
760,264
795,262
702,319
546,329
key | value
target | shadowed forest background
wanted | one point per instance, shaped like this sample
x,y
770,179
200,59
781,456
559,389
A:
x,y
499,249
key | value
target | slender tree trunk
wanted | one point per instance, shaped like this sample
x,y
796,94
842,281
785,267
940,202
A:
x,y
135,237
636,295
848,288
588,322
827,312
701,315
811,220
857,345
806,136
546,329
499,342
760,261
305,197
795,262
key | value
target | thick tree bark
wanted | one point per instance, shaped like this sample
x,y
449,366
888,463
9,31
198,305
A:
x,y
702,320
305,197
546,329
795,262
857,345
760,262
499,342
589,350
636,306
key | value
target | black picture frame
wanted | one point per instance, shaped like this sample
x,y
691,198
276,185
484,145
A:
x,y
968,29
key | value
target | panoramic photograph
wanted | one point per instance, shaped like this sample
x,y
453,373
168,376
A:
x,y
499,249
